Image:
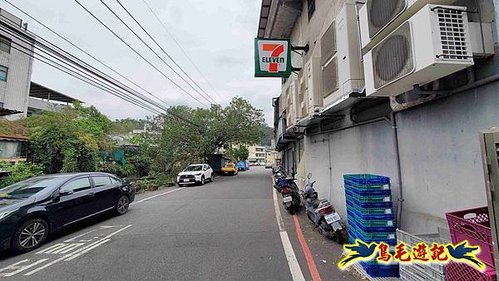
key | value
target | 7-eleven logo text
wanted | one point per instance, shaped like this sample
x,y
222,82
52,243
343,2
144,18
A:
x,y
272,58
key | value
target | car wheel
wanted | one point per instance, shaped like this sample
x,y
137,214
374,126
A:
x,y
203,181
212,178
30,235
122,205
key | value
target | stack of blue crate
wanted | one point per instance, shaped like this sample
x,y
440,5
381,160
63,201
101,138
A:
x,y
371,217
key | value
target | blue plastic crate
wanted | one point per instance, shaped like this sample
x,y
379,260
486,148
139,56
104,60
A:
x,y
368,211
367,205
378,270
389,238
368,199
376,229
369,192
367,179
367,217
380,222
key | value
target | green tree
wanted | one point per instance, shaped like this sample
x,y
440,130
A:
x,y
18,172
240,153
69,140
125,126
187,135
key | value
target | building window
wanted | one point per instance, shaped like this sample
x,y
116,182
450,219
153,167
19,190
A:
x,y
311,8
3,73
5,44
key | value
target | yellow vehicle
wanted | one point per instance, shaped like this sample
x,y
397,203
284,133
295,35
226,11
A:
x,y
229,169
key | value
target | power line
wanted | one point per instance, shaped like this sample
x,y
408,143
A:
x,y
93,72
82,50
181,48
83,77
79,77
152,50
135,51
164,51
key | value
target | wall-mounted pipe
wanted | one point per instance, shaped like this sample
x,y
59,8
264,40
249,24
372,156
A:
x,y
400,199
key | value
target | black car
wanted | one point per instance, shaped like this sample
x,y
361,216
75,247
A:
x,y
32,209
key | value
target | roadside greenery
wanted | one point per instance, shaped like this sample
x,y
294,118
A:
x,y
78,140
18,172
189,135
69,141
239,153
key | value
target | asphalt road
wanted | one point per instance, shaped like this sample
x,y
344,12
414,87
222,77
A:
x,y
226,230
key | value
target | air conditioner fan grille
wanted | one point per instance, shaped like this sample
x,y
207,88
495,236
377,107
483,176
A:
x,y
393,57
381,12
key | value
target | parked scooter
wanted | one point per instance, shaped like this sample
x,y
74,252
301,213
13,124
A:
x,y
289,190
322,213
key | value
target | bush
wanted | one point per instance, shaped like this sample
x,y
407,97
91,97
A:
x,y
151,183
19,172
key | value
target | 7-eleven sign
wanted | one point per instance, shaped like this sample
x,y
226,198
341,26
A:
x,y
272,58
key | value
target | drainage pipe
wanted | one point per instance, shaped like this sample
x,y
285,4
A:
x,y
393,123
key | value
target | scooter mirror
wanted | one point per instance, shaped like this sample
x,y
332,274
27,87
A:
x,y
309,176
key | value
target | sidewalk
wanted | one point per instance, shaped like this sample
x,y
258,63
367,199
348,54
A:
x,y
326,253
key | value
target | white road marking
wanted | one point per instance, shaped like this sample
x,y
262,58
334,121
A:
x,y
49,249
81,235
117,231
293,264
18,268
77,252
157,195
45,266
74,256
68,248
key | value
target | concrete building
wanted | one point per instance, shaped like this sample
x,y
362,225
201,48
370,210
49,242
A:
x,y
337,115
256,154
272,157
15,66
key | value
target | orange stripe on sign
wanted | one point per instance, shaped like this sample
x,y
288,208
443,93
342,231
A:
x,y
306,251
269,47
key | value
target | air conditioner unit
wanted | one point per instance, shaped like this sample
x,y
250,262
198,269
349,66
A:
x,y
299,95
342,72
283,101
432,44
378,18
313,84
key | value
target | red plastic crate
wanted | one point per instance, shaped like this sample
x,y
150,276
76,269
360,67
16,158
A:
x,y
473,225
463,272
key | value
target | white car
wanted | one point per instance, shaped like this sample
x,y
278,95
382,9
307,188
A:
x,y
195,174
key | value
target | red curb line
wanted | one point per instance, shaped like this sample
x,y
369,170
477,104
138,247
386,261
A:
x,y
306,251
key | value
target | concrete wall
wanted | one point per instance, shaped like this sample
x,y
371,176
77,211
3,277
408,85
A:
x,y
439,148
364,149
440,153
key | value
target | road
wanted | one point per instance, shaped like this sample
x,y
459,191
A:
x,y
226,230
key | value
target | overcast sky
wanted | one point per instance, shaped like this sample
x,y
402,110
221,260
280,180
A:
x,y
218,36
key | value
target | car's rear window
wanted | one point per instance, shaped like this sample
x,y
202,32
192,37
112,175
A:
x,y
193,168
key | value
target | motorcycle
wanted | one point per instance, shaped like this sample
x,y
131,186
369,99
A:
x,y
322,214
290,198
289,191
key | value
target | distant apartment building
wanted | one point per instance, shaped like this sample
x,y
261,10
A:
x,y
16,62
257,154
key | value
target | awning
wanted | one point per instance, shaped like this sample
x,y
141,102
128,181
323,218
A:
x,y
38,91
278,17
